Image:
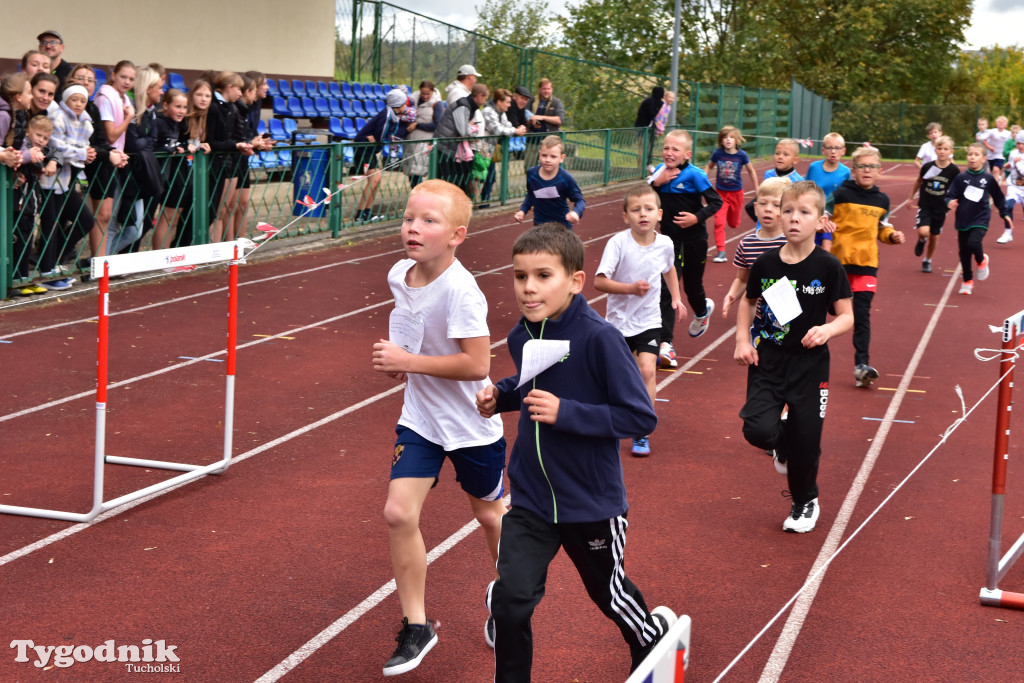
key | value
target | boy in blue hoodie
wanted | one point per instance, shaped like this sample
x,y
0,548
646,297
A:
x,y
567,485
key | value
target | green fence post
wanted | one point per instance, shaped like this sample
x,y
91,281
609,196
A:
x,y
6,230
721,105
336,177
608,155
200,197
378,14
432,162
757,125
506,159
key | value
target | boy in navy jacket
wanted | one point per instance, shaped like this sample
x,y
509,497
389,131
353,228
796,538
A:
x,y
567,485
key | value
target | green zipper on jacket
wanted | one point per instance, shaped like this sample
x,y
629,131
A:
x,y
536,429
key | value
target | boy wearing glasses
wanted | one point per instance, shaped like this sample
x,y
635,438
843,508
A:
x,y
859,210
828,174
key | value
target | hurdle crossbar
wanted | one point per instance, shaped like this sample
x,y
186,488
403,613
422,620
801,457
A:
x,y
104,268
998,565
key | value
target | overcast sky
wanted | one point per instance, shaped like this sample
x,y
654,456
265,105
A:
x,y
993,21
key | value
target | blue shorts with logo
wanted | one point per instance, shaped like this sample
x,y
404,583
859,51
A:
x,y
479,469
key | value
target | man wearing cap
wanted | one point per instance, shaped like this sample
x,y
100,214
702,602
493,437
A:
x,y
384,128
51,44
520,104
462,84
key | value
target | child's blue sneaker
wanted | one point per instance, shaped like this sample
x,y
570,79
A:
x,y
641,447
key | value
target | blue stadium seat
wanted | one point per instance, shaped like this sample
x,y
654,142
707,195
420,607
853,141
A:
x,y
335,106
309,107
346,90
334,125
346,107
379,106
101,78
360,109
349,126
360,122
277,131
255,161
324,89
378,91
176,80
281,107
311,89
299,87
333,89
322,107
284,87
261,127
285,155
295,107
272,88
357,91
517,144
269,159
290,127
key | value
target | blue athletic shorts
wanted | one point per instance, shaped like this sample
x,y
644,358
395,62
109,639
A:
x,y
996,163
479,469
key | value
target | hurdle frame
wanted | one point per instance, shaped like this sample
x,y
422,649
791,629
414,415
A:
x,y
103,268
999,565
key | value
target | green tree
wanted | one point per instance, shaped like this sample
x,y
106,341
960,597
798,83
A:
x,y
513,27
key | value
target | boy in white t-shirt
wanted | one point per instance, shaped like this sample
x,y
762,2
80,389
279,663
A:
x,y
927,151
439,343
630,273
1014,185
995,142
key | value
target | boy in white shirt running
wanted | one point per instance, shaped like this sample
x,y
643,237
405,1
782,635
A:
x,y
440,346
630,273
1014,185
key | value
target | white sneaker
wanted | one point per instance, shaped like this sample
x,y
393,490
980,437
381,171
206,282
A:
x,y
983,268
699,326
780,465
802,517
667,356
489,624
1007,237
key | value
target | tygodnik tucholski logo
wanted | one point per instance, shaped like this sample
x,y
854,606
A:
x,y
149,657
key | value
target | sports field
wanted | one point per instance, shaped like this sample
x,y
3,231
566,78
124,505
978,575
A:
x,y
279,567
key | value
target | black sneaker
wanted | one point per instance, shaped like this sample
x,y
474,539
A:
x,y
489,624
413,643
926,266
919,247
666,618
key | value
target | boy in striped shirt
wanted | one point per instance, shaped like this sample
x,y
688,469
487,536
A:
x,y
767,237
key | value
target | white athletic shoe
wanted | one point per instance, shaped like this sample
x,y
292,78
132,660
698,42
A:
x,y
1007,237
699,325
802,517
983,268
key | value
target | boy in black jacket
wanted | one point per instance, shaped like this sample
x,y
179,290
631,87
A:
x,y
567,486
968,196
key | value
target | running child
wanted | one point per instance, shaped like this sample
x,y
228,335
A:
x,y
767,206
630,272
788,362
927,151
549,188
688,200
969,196
994,142
859,210
441,348
787,153
728,161
568,489
1014,185
933,182
828,174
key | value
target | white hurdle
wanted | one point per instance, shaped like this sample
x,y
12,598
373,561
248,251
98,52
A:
x,y
103,268
998,566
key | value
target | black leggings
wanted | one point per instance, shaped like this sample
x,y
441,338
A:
x,y
691,257
970,246
59,210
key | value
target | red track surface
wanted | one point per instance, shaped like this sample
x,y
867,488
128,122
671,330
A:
x,y
242,570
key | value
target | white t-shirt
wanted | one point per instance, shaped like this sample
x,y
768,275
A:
x,y
997,138
927,153
1014,170
452,307
626,261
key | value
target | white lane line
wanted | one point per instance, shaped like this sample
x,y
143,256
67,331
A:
x,y
787,639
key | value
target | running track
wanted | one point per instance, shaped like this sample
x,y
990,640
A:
x,y
279,567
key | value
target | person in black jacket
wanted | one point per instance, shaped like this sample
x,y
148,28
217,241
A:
x,y
383,128
248,105
649,108
224,135
172,138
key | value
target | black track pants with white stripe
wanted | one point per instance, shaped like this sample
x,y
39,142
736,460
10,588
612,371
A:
x,y
528,544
